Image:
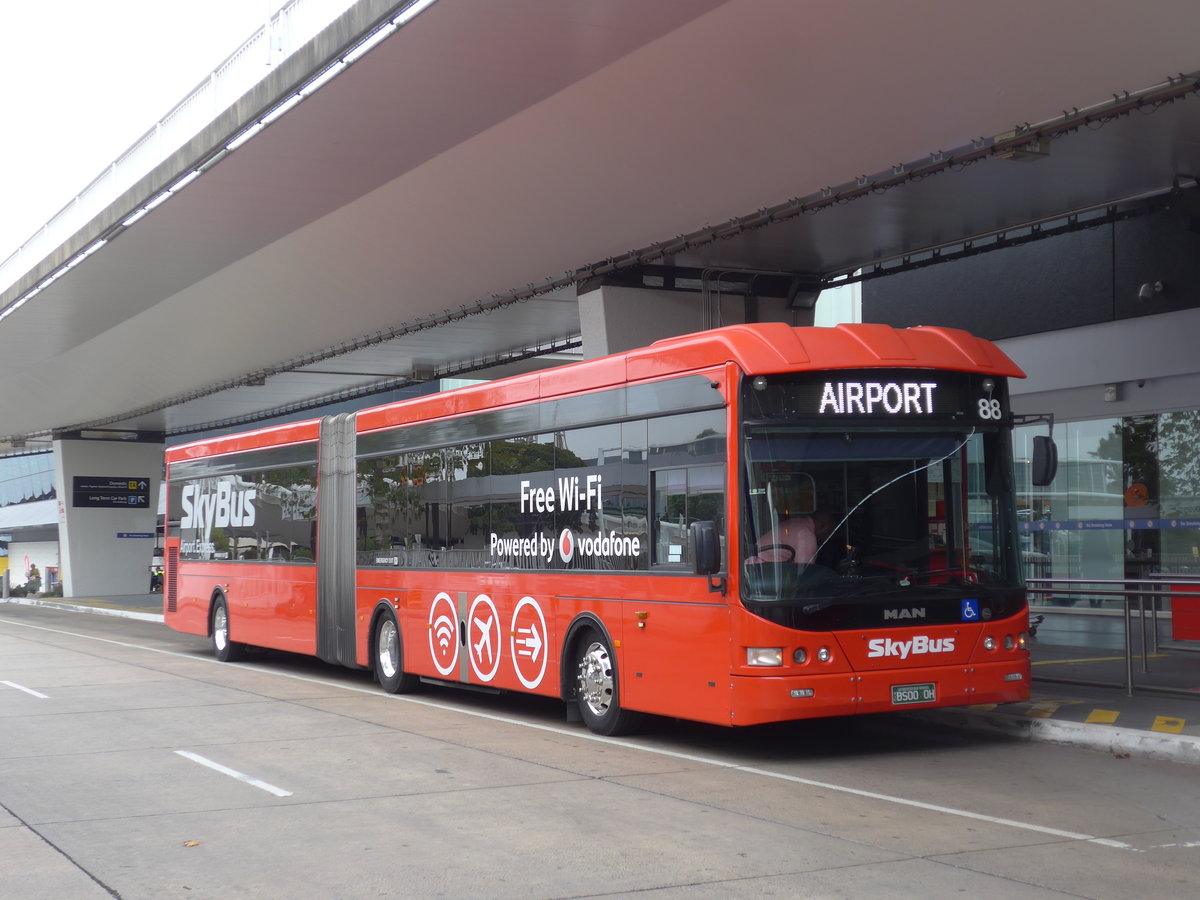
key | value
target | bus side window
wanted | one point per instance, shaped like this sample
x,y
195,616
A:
x,y
669,488
687,480
681,497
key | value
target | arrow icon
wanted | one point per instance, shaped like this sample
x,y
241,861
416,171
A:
x,y
533,643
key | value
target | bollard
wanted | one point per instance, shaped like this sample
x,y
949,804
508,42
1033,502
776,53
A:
x,y
4,585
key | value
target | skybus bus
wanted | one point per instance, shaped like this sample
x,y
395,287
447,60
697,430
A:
x,y
752,524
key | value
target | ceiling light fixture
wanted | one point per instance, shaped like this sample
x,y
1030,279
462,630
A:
x,y
1150,290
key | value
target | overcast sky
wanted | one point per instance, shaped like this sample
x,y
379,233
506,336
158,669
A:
x,y
82,80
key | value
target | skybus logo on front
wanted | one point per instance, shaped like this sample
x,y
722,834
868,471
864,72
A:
x,y
917,646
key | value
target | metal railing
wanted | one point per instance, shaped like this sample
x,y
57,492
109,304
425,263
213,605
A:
x,y
1134,594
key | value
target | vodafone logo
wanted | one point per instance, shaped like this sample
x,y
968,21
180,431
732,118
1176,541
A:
x,y
566,545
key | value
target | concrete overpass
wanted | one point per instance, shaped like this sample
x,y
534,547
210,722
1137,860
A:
x,y
489,157
482,187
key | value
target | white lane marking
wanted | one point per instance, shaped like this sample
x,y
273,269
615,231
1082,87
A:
x,y
234,773
658,751
13,684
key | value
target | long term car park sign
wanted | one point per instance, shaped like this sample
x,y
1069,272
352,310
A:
x,y
105,492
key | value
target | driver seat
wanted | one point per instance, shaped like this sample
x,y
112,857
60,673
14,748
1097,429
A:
x,y
794,540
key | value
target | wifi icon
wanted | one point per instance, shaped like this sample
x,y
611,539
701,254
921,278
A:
x,y
443,632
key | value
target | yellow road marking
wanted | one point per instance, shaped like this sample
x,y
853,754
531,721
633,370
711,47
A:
x,y
1169,724
1102,716
1051,662
1044,709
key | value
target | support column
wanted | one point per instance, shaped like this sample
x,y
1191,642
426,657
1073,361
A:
x,y
107,514
616,318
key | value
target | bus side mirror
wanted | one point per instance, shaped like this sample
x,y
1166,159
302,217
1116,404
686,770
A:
x,y
705,543
706,548
1044,464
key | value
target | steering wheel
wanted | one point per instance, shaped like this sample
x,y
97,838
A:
x,y
788,548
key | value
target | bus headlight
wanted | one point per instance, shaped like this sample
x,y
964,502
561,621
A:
x,y
824,654
989,643
764,656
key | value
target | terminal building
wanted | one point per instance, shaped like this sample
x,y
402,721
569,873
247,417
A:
x,y
1103,318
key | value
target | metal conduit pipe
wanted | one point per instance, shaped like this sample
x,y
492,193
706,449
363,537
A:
x,y
712,302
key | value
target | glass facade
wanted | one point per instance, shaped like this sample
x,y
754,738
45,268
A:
x,y
1125,503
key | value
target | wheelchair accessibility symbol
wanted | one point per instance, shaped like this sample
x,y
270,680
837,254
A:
x,y
970,610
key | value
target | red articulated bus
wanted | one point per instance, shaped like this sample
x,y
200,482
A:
x,y
752,524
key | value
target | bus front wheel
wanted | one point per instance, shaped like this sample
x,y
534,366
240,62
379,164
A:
x,y
223,648
389,658
599,692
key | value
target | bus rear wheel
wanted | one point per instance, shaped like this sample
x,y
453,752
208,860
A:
x,y
389,657
223,648
598,690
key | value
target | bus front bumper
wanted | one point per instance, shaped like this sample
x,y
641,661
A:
x,y
761,699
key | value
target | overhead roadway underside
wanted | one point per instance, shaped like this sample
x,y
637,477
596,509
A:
x,y
430,209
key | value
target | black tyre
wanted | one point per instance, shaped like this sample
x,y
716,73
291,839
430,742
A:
x,y
389,657
598,687
223,648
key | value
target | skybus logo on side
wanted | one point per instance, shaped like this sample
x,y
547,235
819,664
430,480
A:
x,y
216,509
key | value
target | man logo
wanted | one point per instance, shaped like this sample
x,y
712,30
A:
x,y
917,612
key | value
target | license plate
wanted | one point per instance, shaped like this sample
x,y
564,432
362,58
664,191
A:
x,y
903,694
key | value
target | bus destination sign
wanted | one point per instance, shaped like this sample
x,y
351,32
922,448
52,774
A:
x,y
879,394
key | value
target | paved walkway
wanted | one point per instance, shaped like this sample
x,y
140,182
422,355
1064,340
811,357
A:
x,y
1080,685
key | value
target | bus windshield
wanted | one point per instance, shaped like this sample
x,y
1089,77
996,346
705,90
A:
x,y
874,515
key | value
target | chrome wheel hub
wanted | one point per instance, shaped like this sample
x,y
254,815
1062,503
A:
x,y
596,678
220,628
388,652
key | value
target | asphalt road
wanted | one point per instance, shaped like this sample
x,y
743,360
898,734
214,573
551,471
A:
x,y
133,765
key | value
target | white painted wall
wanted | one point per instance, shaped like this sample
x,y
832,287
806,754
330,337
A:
x,y
43,554
1151,360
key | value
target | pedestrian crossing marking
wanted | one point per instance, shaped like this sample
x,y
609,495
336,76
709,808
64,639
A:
x,y
1168,724
1102,716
